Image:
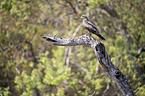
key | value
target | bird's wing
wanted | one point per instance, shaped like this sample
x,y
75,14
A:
x,y
92,25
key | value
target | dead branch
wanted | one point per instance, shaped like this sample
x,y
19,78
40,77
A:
x,y
102,57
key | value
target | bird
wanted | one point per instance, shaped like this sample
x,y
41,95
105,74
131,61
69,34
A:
x,y
91,27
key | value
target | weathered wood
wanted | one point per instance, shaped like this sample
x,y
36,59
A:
x,y
102,57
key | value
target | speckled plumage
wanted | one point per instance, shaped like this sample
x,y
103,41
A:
x,y
91,27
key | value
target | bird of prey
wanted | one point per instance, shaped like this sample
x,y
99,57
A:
x,y
91,27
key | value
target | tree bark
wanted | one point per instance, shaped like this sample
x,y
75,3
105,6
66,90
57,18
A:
x,y
102,57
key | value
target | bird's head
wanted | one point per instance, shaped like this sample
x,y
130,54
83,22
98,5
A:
x,y
84,17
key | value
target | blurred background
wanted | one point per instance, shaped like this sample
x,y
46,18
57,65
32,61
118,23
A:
x,y
31,66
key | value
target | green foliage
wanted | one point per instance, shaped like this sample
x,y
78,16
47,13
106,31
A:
x,y
4,92
32,66
141,91
60,92
97,2
55,70
49,72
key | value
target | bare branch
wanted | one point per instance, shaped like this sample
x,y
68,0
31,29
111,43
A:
x,y
141,50
107,88
102,57
82,40
110,10
79,66
93,93
74,9
68,57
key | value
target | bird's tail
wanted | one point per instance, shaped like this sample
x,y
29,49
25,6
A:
x,y
101,37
